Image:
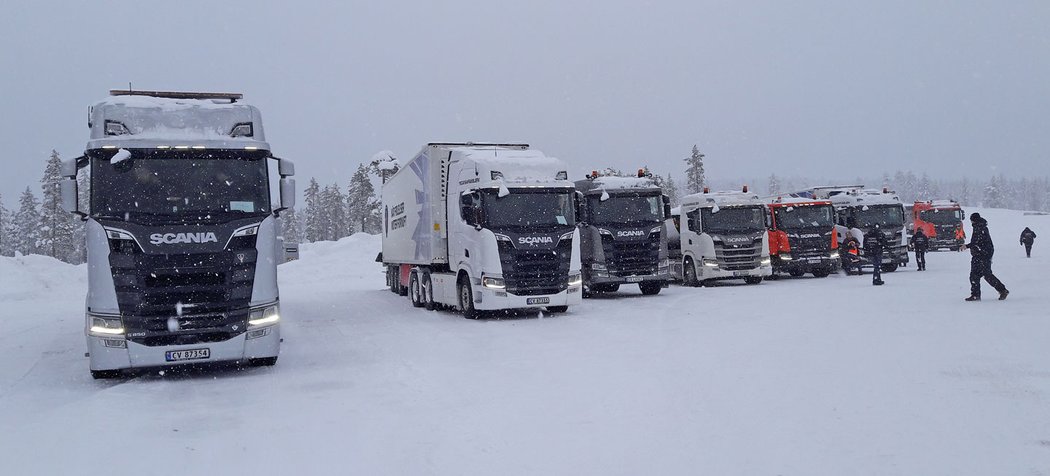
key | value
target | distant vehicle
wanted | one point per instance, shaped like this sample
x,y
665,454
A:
x,y
858,209
802,236
941,221
723,236
482,227
181,231
622,235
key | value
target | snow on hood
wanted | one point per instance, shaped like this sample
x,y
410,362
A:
x,y
183,120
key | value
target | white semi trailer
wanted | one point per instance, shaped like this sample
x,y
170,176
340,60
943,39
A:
x,y
482,227
181,231
722,235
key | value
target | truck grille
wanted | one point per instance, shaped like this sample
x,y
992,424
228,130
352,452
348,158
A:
x,y
213,290
810,247
632,258
528,272
739,257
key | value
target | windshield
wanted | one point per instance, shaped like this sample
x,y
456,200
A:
x,y
528,208
805,216
625,209
154,186
733,220
941,217
884,215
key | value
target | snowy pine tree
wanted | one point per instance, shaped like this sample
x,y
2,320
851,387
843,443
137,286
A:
x,y
25,225
694,172
290,226
361,203
84,205
924,190
671,190
774,185
5,224
333,203
56,225
313,228
384,164
993,193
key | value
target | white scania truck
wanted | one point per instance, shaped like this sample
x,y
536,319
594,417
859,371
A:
x,y
482,227
857,209
723,236
181,231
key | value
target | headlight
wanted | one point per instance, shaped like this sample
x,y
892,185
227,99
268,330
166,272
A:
x,y
766,261
264,316
786,256
711,262
598,267
656,229
664,264
834,255
502,237
247,231
604,231
106,326
566,235
575,279
493,282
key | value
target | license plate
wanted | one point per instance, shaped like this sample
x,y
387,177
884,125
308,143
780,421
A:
x,y
541,300
812,260
189,354
740,274
634,279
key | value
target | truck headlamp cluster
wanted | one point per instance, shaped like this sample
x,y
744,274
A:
x,y
656,229
575,279
711,262
247,231
264,316
493,282
566,236
765,261
603,231
834,255
106,326
786,256
502,237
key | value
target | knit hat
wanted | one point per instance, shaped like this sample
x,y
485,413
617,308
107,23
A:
x,y
975,216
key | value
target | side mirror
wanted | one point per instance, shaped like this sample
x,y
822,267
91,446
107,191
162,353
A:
x,y
285,167
68,168
287,186
667,207
68,188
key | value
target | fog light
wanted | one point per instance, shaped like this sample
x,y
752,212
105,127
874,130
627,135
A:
x,y
257,333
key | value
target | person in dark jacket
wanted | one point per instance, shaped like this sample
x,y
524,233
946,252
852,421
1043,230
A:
x,y
874,243
920,243
981,250
1027,239
849,254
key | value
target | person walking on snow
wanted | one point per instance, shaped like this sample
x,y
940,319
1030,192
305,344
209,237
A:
x,y
874,243
981,250
920,243
1027,239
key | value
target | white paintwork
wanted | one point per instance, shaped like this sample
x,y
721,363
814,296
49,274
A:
x,y
698,245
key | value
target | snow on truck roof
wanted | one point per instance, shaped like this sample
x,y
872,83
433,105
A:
x,y
721,199
611,183
154,120
793,200
868,196
513,165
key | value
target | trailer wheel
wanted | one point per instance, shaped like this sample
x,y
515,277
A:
x,y
466,300
889,268
428,291
689,272
650,288
753,279
414,293
105,374
821,272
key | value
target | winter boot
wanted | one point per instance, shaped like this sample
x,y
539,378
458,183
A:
x,y
1002,295
973,298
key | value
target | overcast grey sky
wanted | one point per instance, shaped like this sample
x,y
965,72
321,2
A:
x,y
807,88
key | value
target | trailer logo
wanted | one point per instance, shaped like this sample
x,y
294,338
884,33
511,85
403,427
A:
x,y
628,233
174,238
535,240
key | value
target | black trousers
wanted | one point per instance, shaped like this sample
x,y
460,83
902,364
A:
x,y
983,269
1028,249
876,263
920,259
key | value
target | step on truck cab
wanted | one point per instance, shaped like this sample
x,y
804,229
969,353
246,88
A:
x,y
622,235
802,236
857,209
482,227
181,231
723,236
941,221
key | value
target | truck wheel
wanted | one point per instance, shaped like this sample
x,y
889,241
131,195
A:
x,y
428,291
414,293
753,279
105,374
889,268
796,273
557,309
466,301
689,273
650,288
263,362
821,272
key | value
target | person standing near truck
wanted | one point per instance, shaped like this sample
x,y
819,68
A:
x,y
920,243
1027,239
874,243
981,250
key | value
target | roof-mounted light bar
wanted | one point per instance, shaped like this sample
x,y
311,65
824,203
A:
x,y
232,97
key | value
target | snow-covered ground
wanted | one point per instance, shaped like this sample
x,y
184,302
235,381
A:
x,y
794,377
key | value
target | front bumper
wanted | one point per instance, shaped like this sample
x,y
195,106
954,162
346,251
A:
x,y
609,279
134,355
805,263
489,299
714,272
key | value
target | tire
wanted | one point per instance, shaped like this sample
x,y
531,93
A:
x,y
557,309
753,279
796,273
821,272
889,268
105,374
428,291
391,280
262,362
414,293
650,288
689,273
466,300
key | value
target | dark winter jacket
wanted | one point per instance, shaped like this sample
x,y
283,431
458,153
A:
x,y
980,245
919,241
1027,236
874,242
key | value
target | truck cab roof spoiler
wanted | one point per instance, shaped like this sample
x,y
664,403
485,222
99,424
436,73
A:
x,y
232,97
